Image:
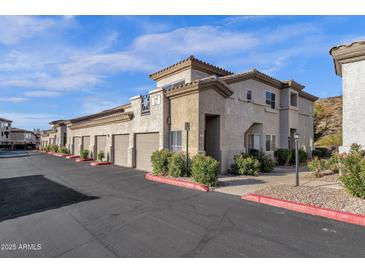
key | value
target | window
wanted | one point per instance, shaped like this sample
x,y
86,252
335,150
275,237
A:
x,y
293,99
270,142
175,140
270,99
249,96
2,133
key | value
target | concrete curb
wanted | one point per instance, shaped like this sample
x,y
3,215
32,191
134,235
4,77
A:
x,y
100,163
176,182
308,209
79,160
61,154
72,157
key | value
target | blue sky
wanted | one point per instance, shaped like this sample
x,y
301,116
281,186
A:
x,y
66,66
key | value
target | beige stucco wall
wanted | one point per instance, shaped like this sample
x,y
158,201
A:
x,y
177,77
353,112
155,122
186,109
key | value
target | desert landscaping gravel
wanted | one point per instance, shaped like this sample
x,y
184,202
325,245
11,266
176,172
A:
x,y
337,199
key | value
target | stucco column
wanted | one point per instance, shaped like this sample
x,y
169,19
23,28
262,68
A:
x,y
131,151
350,65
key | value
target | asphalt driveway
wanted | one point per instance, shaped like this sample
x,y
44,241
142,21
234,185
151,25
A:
x,y
54,207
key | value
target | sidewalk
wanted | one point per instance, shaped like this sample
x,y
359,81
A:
x,y
241,185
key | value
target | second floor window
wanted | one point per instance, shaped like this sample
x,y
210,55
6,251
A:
x,y
293,99
270,99
249,96
175,140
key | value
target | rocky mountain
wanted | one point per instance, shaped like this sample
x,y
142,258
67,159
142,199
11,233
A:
x,y
332,107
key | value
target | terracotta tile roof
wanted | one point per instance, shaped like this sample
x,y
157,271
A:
x,y
347,45
192,58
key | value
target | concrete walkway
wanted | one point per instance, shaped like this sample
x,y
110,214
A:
x,y
241,185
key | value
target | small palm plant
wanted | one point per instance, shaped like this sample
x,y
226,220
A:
x,y
84,154
101,156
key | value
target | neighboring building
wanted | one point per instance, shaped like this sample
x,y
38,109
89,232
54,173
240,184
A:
x,y
349,61
228,114
22,138
5,132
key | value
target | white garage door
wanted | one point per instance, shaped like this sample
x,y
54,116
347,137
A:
x,y
146,144
77,143
101,145
121,144
86,142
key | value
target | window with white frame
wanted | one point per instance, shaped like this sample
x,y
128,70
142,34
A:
x,y
175,140
270,142
270,99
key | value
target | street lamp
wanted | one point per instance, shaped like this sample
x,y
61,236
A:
x,y
296,139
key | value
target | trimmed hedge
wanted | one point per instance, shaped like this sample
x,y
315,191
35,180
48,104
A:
x,y
245,164
177,165
282,156
160,161
204,169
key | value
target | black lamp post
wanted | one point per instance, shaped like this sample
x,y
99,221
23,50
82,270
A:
x,y
296,139
187,128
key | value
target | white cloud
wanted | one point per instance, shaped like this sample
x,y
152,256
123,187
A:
x,y
95,104
42,93
194,40
12,99
15,28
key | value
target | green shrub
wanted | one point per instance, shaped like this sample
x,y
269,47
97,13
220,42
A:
x,y
353,171
324,151
84,154
266,163
333,163
204,169
160,161
302,156
177,165
245,164
53,148
317,166
282,156
317,153
100,156
64,150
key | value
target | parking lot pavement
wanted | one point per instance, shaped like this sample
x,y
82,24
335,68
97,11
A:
x,y
54,207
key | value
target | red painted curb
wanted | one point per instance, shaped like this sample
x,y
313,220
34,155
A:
x,y
100,163
79,160
72,157
50,153
61,154
175,182
341,216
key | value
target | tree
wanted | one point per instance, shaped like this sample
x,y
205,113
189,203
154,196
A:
x,y
322,122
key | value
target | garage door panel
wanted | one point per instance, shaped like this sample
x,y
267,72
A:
x,y
121,144
77,143
86,142
146,144
101,145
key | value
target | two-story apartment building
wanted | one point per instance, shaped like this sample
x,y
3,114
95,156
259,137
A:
x,y
5,132
22,138
228,113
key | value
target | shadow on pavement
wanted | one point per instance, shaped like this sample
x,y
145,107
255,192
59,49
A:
x,y
21,196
